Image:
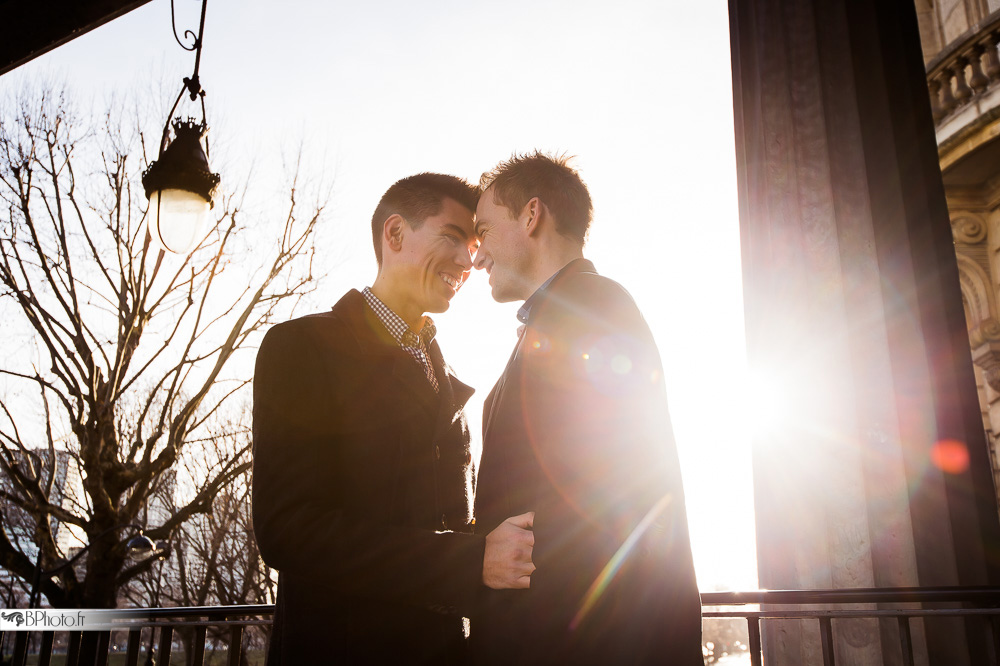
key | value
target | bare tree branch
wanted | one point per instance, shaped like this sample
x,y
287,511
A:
x,y
135,358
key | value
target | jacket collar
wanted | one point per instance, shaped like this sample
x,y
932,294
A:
x,y
576,266
376,343
372,337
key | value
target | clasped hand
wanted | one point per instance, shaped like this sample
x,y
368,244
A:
x,y
507,561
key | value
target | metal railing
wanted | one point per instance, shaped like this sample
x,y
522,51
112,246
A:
x,y
161,627
825,607
902,604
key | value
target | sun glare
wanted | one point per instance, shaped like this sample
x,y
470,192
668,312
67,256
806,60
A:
x,y
768,403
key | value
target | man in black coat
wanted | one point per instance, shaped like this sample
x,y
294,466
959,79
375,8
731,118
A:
x,y
363,478
577,431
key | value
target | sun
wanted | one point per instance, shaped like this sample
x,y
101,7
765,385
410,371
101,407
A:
x,y
769,403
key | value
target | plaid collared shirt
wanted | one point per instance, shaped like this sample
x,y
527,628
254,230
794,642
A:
x,y
414,344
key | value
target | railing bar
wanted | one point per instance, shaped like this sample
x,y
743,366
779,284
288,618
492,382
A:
x,y
73,651
20,657
753,631
995,630
199,646
235,645
853,595
123,626
134,641
796,601
45,650
905,640
826,637
773,597
224,611
103,643
166,639
813,614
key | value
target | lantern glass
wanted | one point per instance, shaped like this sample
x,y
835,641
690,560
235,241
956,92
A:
x,y
177,219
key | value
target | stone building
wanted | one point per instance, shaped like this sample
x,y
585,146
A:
x,y
959,40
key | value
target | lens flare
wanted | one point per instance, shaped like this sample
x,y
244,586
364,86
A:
x,y
950,456
607,574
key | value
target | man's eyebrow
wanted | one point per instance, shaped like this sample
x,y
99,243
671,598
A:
x,y
454,228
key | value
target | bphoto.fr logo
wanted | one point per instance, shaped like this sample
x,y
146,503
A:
x,y
42,620
17,617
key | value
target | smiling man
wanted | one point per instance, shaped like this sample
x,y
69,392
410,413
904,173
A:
x,y
577,430
363,476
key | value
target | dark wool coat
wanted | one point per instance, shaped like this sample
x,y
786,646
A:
x,y
577,430
359,468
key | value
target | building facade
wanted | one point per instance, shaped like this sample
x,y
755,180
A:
x,y
959,40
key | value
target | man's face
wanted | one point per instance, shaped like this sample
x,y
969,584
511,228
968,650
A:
x,y
502,250
438,256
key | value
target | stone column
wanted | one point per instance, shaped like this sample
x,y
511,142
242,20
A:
x,y
875,471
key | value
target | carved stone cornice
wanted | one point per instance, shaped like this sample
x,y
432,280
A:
x,y
987,357
987,332
966,197
982,197
968,229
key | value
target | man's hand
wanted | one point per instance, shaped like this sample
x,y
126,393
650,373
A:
x,y
507,562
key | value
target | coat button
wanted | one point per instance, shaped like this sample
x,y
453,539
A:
x,y
444,521
437,452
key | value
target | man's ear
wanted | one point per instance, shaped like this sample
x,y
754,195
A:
x,y
392,232
534,215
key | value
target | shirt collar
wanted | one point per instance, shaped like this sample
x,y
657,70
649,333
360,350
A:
x,y
524,312
397,328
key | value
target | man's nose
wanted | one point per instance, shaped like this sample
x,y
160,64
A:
x,y
466,258
480,261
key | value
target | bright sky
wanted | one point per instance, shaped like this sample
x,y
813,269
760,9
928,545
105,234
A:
x,y
640,91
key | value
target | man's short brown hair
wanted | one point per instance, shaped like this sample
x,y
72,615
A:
x,y
418,197
551,179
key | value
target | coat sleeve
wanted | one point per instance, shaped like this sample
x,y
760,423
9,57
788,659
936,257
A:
x,y
301,528
611,500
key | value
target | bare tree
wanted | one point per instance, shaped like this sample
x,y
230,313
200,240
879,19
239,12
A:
x,y
217,560
132,356
213,556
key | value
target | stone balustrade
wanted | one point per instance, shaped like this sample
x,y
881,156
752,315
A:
x,y
967,67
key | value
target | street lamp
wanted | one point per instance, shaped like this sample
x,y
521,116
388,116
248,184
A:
x,y
178,183
140,544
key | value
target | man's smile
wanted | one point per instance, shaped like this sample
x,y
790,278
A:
x,y
451,281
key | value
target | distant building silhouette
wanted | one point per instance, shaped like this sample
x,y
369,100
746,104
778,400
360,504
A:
x,y
67,492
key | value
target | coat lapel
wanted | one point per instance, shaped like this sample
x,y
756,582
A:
x,y
453,393
408,372
385,354
537,301
493,400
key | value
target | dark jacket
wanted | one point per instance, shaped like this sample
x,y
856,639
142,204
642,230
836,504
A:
x,y
359,468
577,430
